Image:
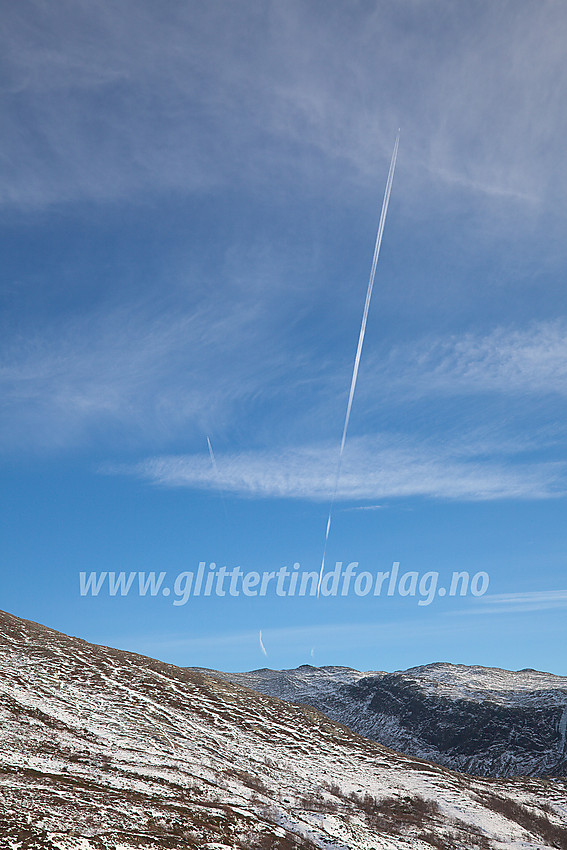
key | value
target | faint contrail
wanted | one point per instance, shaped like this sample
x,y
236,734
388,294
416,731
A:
x,y
212,455
381,224
262,647
216,471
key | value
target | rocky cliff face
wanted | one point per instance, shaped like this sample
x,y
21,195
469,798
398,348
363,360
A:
x,y
474,719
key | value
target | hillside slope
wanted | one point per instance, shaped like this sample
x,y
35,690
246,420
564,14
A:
x,y
101,748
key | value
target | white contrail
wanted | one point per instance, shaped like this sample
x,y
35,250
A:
x,y
361,335
212,455
262,647
216,471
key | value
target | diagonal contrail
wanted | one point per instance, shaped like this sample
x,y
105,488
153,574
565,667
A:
x,y
212,456
361,335
216,471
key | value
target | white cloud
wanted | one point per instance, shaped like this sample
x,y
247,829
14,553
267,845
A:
x,y
373,468
140,374
146,373
108,100
529,360
511,603
366,508
533,359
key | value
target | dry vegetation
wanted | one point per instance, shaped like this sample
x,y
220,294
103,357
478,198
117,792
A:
x,y
553,834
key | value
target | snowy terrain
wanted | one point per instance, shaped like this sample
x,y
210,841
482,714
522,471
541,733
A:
x,y
480,720
101,748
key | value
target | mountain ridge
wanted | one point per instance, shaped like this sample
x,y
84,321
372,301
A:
x,y
474,719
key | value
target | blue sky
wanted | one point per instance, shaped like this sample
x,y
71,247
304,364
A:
x,y
190,198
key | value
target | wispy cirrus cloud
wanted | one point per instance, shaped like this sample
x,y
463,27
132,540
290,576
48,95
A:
x,y
138,374
106,101
526,360
366,508
151,373
373,468
519,603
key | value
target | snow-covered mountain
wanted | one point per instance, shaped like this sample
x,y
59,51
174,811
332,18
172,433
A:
x,y
479,720
106,750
